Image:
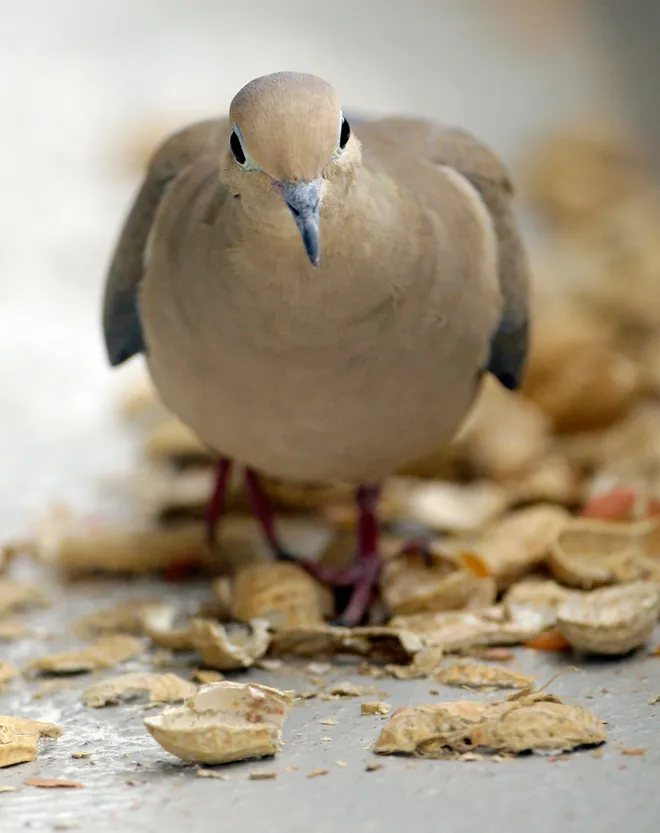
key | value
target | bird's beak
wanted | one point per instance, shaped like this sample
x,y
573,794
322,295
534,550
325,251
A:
x,y
304,201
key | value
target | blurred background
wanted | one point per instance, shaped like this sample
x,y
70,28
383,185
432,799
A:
x,y
88,87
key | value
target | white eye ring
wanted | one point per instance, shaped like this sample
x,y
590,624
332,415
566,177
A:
x,y
237,149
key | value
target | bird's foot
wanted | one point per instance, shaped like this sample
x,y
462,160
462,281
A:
x,y
364,593
362,576
334,577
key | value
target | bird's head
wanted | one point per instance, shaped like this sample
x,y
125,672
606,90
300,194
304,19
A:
x,y
289,149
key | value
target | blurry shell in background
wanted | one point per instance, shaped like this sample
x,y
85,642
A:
x,y
462,630
552,480
505,435
284,594
410,585
104,653
161,688
8,672
578,174
18,595
520,542
590,553
612,620
465,673
123,617
536,592
442,505
537,599
575,376
379,644
163,625
86,545
226,648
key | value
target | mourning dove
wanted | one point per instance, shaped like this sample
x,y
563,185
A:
x,y
317,306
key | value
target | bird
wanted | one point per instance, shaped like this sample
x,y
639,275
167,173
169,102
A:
x,y
320,301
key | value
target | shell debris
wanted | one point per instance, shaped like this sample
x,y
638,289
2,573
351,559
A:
x,y
19,738
477,675
226,648
374,708
611,620
17,595
105,653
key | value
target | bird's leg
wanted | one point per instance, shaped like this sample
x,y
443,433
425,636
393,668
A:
x,y
217,502
262,509
368,559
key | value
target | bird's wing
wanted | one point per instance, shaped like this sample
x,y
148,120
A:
x,y
461,151
122,328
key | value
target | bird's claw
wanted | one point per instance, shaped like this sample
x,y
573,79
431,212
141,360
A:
x,y
363,593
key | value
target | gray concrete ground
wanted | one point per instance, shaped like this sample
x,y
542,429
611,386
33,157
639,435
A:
x,y
76,78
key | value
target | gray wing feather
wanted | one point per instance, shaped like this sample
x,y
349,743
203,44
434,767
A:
x,y
510,341
122,327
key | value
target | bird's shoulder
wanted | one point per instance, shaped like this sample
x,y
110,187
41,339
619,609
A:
x,y
405,147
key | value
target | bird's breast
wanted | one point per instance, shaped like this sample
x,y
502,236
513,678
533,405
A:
x,y
306,402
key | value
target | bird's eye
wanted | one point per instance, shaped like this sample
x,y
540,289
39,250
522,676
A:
x,y
345,134
237,149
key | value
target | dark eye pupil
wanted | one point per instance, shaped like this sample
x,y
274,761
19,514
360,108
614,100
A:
x,y
236,149
345,134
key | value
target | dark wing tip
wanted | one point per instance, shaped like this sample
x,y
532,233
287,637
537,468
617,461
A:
x,y
508,355
119,356
122,329
509,381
